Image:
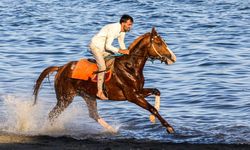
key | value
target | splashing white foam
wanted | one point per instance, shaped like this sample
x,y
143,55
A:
x,y
21,117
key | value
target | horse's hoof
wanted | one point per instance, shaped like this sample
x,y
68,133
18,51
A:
x,y
170,130
112,130
152,119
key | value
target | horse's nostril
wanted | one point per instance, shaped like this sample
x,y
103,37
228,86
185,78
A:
x,y
162,58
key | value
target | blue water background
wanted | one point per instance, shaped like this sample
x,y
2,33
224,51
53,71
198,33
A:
x,y
205,94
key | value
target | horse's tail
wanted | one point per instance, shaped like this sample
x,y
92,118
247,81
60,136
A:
x,y
39,81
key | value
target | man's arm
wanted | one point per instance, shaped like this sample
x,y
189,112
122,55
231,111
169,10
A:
x,y
121,41
109,41
123,49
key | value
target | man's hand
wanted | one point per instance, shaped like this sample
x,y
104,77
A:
x,y
124,51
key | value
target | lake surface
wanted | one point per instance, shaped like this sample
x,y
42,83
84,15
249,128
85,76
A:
x,y
205,95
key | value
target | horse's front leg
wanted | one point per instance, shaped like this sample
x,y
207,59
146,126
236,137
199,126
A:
x,y
157,93
139,100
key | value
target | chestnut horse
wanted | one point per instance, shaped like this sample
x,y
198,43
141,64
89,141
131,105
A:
x,y
126,83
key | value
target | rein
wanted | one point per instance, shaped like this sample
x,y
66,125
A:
x,y
162,58
151,45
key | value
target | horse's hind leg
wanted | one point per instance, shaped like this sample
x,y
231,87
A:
x,y
93,113
62,104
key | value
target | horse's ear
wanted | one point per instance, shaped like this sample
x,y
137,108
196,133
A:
x,y
153,32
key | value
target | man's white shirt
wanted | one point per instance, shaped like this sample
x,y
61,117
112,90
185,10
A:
x,y
104,38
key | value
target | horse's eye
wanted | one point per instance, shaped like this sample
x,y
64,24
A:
x,y
157,41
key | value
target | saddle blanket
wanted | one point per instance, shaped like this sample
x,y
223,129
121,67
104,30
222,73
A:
x,y
86,70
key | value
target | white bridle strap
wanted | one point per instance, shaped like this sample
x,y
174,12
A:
x,y
155,49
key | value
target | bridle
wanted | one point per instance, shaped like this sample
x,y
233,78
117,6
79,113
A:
x,y
159,57
152,44
162,58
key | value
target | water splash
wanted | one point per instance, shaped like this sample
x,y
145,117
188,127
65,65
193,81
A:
x,y
20,115
22,118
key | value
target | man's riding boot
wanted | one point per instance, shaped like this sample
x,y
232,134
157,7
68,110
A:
x,y
100,94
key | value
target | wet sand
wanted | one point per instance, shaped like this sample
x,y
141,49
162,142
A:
x,y
58,143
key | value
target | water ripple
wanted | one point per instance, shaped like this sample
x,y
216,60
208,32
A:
x,y
204,95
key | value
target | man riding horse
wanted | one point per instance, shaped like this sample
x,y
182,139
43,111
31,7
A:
x,y
126,82
101,47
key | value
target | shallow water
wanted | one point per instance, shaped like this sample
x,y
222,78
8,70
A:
x,y
205,94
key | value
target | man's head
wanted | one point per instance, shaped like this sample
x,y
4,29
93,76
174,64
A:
x,y
126,22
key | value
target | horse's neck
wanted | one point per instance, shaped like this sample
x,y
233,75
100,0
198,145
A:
x,y
139,56
135,60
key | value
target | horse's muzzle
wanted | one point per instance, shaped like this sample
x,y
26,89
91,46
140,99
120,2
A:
x,y
172,59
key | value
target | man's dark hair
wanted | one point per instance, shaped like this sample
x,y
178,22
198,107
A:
x,y
125,18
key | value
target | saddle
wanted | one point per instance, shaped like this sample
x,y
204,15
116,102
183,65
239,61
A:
x,y
86,69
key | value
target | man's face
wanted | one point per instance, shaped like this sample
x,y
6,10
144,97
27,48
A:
x,y
127,25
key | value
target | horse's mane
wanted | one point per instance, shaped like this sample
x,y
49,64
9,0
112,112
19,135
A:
x,y
136,41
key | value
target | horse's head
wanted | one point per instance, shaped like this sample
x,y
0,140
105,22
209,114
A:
x,y
158,49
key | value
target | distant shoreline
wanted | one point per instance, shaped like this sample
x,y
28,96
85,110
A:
x,y
59,143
